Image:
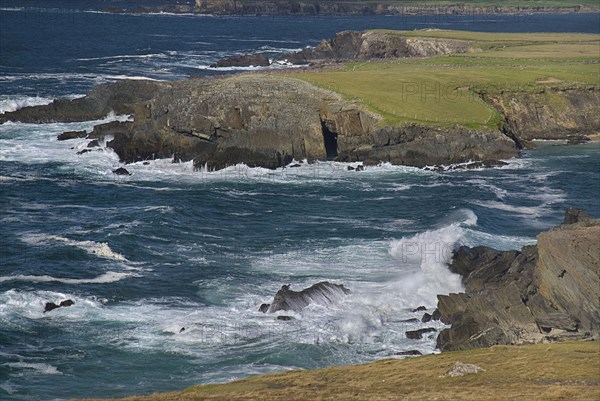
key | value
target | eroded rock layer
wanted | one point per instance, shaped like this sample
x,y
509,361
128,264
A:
x,y
546,292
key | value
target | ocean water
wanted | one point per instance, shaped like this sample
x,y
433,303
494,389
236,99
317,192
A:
x,y
168,247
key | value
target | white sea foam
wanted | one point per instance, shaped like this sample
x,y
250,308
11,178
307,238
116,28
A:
x,y
496,241
430,252
15,304
38,368
70,77
108,277
125,56
529,211
99,249
387,278
481,183
12,103
37,143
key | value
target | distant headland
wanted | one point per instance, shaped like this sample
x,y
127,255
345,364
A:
x,y
356,7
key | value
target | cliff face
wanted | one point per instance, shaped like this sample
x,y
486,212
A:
x,y
568,271
551,113
260,120
546,292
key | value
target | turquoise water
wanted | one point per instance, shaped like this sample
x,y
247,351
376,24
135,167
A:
x,y
170,248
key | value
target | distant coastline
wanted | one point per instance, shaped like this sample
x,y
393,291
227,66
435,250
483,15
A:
x,y
349,8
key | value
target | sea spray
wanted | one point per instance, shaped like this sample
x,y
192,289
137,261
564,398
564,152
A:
x,y
426,257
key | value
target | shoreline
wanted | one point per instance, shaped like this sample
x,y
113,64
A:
x,y
548,351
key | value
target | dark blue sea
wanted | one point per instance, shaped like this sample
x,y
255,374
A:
x,y
169,248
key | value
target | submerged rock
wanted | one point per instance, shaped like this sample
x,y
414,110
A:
x,y
51,305
577,139
410,353
418,334
121,171
246,60
72,135
323,293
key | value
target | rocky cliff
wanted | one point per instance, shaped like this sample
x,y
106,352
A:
x,y
550,113
261,120
369,45
546,292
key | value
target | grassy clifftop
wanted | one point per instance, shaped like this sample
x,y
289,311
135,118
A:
x,y
560,371
444,90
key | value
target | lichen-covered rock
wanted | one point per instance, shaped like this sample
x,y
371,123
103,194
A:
x,y
461,369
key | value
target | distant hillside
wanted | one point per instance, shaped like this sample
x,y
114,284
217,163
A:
x,y
353,7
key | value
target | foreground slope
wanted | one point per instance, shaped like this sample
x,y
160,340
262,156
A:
x,y
562,371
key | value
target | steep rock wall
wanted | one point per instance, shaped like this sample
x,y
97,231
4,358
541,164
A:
x,y
546,292
551,113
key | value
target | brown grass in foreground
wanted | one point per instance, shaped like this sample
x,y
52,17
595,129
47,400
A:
x,y
561,371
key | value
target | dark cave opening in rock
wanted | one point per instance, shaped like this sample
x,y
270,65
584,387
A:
x,y
331,142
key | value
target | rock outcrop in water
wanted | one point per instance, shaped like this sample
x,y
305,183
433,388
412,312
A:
x,y
245,60
323,293
50,306
546,292
260,120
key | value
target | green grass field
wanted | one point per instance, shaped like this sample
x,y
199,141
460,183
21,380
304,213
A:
x,y
444,90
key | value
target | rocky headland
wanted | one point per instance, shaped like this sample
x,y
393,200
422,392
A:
x,y
269,119
260,120
543,293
